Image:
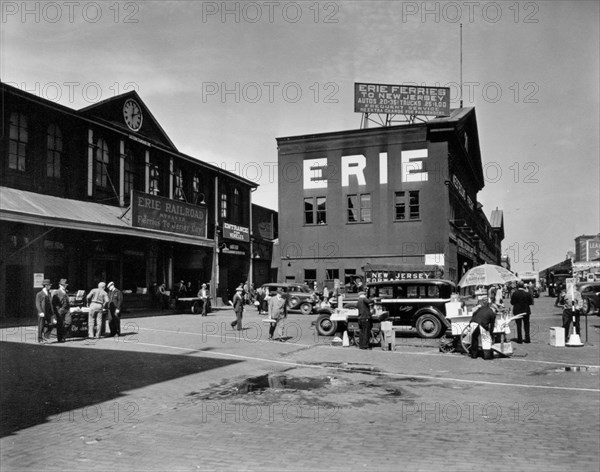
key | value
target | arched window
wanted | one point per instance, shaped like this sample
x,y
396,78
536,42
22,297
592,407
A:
x,y
18,138
54,151
102,160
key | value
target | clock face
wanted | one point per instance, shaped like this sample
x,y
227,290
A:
x,y
132,114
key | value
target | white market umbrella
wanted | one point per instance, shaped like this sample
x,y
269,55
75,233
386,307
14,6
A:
x,y
487,274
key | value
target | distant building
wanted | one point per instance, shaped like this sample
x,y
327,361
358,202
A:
x,y
102,193
399,199
587,247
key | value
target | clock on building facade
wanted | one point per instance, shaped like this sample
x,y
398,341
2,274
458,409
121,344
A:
x,y
132,113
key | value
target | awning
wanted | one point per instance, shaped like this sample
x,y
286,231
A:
x,y
32,208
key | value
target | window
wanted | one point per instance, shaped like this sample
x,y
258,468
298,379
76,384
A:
x,y
197,194
54,151
412,291
433,291
129,177
154,179
331,274
102,159
310,276
236,206
315,210
359,208
224,205
178,187
407,205
17,147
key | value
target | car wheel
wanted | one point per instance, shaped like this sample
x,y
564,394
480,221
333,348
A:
x,y
306,308
326,327
428,326
196,308
294,302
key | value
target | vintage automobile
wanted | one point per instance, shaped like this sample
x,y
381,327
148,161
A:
x,y
416,303
590,292
299,296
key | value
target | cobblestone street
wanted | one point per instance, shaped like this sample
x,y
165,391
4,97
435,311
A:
x,y
182,392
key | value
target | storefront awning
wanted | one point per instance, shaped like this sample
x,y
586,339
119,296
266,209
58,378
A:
x,y
20,206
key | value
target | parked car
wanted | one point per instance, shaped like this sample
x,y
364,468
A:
x,y
299,296
590,292
420,304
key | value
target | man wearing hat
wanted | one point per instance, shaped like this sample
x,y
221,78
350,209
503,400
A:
x,y
238,308
203,295
278,313
60,302
43,304
97,299
365,321
482,325
521,300
115,300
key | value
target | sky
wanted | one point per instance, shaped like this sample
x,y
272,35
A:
x,y
225,79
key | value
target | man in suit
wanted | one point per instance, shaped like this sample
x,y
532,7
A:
x,y
278,313
43,304
203,295
115,300
365,321
238,308
61,305
521,300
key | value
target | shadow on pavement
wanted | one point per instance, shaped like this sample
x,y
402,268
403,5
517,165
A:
x,y
39,381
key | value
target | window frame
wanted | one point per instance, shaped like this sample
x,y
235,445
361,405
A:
x,y
360,209
18,138
404,203
54,151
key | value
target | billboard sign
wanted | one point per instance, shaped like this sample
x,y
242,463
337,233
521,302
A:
x,y
593,250
401,99
159,213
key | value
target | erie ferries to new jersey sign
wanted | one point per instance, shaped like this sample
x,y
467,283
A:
x,y
401,99
152,212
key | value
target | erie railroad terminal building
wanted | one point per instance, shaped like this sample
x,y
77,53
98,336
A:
x,y
102,193
392,201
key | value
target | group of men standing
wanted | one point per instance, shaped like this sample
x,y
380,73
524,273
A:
x,y
53,308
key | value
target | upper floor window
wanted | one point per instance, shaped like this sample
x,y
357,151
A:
x,y
315,210
154,187
236,205
407,205
197,189
102,160
224,205
129,173
359,208
54,151
18,138
178,187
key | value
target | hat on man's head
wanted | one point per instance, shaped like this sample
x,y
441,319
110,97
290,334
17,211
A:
x,y
239,289
110,285
362,294
63,282
101,285
203,285
46,282
480,293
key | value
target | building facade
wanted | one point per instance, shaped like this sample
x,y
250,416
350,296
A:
x,y
397,200
103,194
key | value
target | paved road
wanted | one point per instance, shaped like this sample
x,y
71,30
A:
x,y
183,392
